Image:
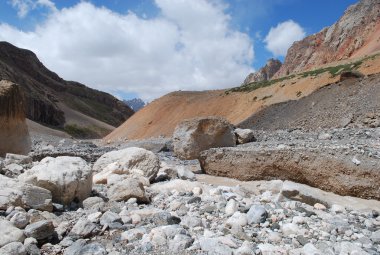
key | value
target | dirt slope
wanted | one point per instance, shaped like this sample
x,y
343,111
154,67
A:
x,y
160,117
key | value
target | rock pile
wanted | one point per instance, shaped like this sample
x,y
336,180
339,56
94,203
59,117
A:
x,y
14,135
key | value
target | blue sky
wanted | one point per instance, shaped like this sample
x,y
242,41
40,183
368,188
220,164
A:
x,y
148,48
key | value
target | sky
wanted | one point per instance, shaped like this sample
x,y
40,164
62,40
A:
x,y
148,48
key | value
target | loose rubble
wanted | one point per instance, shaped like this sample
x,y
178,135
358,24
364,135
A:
x,y
171,207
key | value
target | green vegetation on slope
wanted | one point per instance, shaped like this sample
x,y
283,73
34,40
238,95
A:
x,y
333,70
80,132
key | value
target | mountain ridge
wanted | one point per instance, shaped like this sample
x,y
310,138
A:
x,y
45,91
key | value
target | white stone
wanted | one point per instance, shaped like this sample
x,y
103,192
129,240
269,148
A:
x,y
237,219
131,160
319,206
338,208
15,193
290,229
94,217
67,178
10,233
231,207
14,248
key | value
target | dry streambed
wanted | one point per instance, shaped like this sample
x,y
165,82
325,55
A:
x,y
148,203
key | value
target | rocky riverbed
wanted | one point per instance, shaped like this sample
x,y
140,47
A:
x,y
144,202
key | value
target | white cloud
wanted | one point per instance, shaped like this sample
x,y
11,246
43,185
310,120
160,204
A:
x,y
189,46
25,6
281,37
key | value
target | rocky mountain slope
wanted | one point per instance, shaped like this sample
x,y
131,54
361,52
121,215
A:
x,y
52,101
356,34
161,116
265,73
353,102
135,104
350,44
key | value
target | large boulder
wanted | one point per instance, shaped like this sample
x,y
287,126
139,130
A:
x,y
68,178
27,196
328,167
133,161
198,134
14,134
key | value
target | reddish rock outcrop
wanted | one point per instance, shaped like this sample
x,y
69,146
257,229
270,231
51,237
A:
x,y
357,33
14,134
265,73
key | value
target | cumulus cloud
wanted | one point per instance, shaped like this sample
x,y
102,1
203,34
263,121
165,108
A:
x,y
25,6
188,46
281,37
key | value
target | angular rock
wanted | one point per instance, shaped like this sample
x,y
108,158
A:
x,y
93,203
67,178
184,173
195,135
15,248
129,188
109,217
244,135
15,193
40,230
11,158
81,248
257,214
164,218
213,246
237,219
20,220
83,228
134,161
10,233
323,167
179,243
14,134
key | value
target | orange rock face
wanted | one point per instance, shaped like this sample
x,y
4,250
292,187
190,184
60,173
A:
x,y
356,34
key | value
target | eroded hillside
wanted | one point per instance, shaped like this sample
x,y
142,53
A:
x,y
160,117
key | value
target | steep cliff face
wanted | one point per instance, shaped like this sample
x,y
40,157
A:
x,y
357,33
265,73
14,135
45,91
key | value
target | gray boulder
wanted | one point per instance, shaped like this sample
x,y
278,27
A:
x,y
40,230
195,135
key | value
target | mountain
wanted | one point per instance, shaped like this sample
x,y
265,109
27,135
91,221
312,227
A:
x,y
135,103
265,73
328,58
52,101
356,34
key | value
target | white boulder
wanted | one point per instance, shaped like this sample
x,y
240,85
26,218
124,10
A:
x,y
133,161
67,178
